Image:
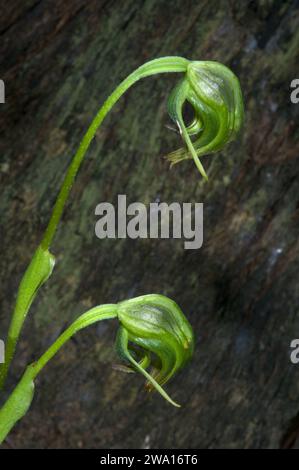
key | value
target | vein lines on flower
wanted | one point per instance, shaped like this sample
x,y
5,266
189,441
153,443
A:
x,y
154,337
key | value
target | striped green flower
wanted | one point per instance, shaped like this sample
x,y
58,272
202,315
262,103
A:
x,y
154,334
215,95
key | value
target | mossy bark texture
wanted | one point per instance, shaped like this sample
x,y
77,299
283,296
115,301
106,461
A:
x,y
240,291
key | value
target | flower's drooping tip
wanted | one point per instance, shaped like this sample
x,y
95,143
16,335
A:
x,y
154,334
215,95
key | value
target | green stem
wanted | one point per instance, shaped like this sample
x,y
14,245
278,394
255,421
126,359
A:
x,y
30,287
20,399
156,66
36,274
101,312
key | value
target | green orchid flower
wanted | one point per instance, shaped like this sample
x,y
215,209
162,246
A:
x,y
154,337
154,323
164,336
215,95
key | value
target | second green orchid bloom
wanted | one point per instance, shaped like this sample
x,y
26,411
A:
x,y
163,336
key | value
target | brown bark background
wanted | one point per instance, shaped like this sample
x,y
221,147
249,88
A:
x,y
59,60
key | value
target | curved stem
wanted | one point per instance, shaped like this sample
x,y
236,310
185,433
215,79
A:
x,y
153,67
101,312
20,400
156,66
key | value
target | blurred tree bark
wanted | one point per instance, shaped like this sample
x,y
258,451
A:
x,y
59,60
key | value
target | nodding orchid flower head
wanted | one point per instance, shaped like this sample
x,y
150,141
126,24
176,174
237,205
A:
x,y
215,95
154,334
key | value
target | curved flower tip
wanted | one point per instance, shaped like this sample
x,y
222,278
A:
x,y
215,95
155,335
